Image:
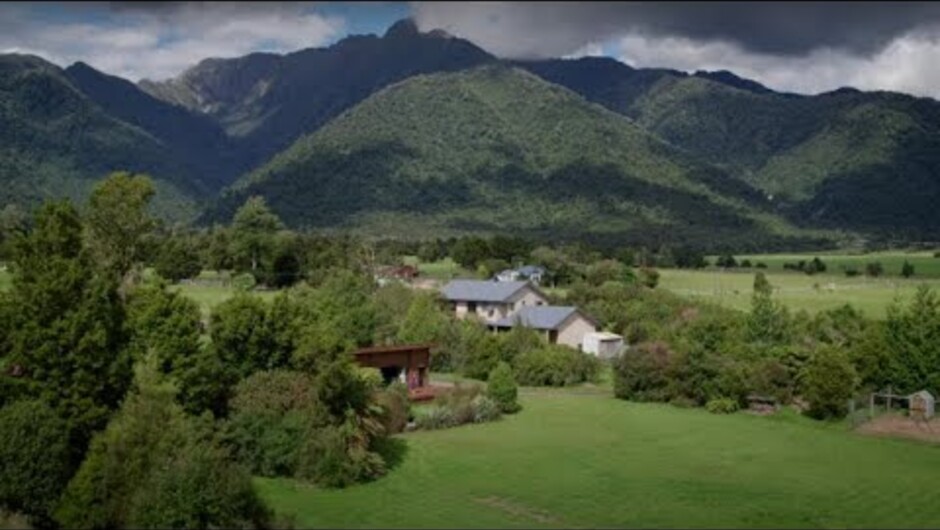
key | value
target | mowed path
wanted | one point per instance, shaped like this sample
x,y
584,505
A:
x,y
588,460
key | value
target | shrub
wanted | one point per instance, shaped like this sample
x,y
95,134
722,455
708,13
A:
x,y
485,409
760,265
34,459
722,406
395,406
336,456
198,488
829,383
649,277
244,282
501,388
642,374
907,270
874,269
435,417
555,366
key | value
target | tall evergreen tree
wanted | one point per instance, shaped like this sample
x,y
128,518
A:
x,y
66,342
253,229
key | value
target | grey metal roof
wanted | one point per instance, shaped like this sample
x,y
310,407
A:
x,y
538,317
529,270
481,290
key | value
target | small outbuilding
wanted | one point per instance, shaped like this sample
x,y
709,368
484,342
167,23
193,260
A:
x,y
602,344
921,405
407,362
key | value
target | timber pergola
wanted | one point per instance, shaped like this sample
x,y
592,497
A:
x,y
413,359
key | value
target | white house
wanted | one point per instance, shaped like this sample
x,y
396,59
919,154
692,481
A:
x,y
532,273
491,300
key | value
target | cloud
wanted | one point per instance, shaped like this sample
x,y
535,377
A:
x,y
161,40
906,64
805,47
527,29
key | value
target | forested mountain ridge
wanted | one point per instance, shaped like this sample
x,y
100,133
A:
x,y
267,101
496,148
843,159
55,141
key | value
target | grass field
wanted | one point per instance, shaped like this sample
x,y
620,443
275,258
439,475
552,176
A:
x,y
574,459
445,269
925,264
796,290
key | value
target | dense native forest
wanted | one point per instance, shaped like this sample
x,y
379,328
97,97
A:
x,y
427,135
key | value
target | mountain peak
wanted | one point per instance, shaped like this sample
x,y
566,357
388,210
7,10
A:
x,y
405,27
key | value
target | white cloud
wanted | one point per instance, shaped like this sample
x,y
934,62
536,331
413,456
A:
x,y
591,49
158,44
906,64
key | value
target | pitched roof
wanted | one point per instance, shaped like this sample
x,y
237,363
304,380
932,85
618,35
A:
x,y
482,290
538,317
529,270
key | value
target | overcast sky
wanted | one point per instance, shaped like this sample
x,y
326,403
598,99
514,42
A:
x,y
802,47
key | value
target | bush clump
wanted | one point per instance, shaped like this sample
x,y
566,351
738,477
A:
x,y
722,406
501,388
555,366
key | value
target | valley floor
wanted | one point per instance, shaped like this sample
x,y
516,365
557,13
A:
x,y
579,457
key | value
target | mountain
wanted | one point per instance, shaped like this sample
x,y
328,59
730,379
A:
x,y
844,159
56,141
497,149
195,138
267,101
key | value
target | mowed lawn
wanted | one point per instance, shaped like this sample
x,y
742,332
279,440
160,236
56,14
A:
x,y
796,290
584,459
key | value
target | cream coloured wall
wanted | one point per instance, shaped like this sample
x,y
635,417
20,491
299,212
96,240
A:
x,y
572,332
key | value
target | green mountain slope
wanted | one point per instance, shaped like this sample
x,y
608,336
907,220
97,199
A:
x,y
846,159
499,149
267,101
56,142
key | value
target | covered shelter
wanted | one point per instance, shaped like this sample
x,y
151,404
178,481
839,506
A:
x,y
407,362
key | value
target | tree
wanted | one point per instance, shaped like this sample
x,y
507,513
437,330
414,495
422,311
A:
x,y
166,323
424,321
605,271
907,270
689,258
178,259
241,336
829,383
469,251
649,277
501,387
153,465
874,269
118,220
35,459
218,251
726,261
253,229
67,334
912,337
768,321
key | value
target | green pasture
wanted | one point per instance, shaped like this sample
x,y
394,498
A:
x,y
578,458
925,264
796,290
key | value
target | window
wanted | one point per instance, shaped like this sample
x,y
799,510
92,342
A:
x,y
490,313
472,307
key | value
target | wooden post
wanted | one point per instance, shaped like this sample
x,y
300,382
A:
x,y
871,405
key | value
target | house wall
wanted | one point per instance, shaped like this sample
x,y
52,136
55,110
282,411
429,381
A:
x,y
573,330
526,297
483,310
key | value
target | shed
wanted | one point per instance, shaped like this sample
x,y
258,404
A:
x,y
921,405
410,361
603,344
